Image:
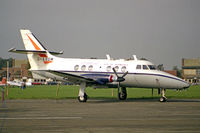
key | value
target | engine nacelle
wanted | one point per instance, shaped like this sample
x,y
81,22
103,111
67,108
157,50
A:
x,y
102,79
112,78
106,79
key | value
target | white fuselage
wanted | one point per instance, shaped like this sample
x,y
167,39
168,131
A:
x,y
136,77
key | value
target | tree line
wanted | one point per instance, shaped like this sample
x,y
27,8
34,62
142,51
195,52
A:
x,y
3,62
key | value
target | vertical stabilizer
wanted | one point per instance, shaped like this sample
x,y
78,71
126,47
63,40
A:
x,y
39,59
30,41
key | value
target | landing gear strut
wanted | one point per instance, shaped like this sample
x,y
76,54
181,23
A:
x,y
163,98
82,96
123,94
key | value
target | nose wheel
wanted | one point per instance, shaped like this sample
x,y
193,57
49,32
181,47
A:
x,y
163,98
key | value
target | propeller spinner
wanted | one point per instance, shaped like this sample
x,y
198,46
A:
x,y
119,79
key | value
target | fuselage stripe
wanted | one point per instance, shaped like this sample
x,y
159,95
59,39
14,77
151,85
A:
x,y
92,73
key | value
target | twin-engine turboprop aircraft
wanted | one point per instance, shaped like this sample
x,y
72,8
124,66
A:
x,y
96,72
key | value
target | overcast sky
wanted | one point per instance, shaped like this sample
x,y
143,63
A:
x,y
163,31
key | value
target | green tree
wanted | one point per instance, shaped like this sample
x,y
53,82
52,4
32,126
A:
x,y
179,71
160,67
3,62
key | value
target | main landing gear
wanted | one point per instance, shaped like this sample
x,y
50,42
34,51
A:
x,y
163,98
123,94
82,96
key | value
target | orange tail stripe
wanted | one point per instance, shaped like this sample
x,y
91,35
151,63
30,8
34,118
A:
x,y
34,44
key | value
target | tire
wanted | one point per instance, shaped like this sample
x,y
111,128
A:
x,y
163,99
123,94
83,99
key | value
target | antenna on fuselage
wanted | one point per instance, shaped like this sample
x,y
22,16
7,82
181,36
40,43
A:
x,y
108,56
135,57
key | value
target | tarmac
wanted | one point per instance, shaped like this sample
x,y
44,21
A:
x,y
99,116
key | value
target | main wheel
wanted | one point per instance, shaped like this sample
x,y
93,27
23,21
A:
x,y
83,99
163,99
123,94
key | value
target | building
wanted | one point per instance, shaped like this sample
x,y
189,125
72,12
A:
x,y
191,70
18,70
172,72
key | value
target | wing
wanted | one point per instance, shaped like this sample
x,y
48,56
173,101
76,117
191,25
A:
x,y
90,79
73,78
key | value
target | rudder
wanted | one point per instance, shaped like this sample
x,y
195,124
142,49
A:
x,y
30,41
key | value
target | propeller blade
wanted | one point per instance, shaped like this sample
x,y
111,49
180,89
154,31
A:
x,y
120,79
125,74
115,72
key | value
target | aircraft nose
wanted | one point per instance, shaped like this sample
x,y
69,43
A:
x,y
173,82
186,85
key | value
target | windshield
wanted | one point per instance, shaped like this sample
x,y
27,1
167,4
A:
x,y
152,67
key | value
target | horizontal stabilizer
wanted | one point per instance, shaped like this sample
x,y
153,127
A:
x,y
14,50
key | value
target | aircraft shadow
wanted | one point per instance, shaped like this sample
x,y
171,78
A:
x,y
104,100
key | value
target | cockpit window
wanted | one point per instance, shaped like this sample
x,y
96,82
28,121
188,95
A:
x,y
138,67
145,67
152,67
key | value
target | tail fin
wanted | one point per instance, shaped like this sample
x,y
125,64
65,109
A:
x,y
30,41
39,57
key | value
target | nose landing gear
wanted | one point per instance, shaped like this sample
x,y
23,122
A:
x,y
163,98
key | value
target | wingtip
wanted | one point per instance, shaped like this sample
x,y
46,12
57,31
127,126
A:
x,y
11,49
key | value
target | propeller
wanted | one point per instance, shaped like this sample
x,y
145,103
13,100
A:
x,y
119,79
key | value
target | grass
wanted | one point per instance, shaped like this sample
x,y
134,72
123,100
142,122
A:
x,y
71,92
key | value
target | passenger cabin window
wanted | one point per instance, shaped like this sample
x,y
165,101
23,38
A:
x,y
83,67
145,67
138,67
108,69
152,67
90,68
123,69
76,67
116,68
